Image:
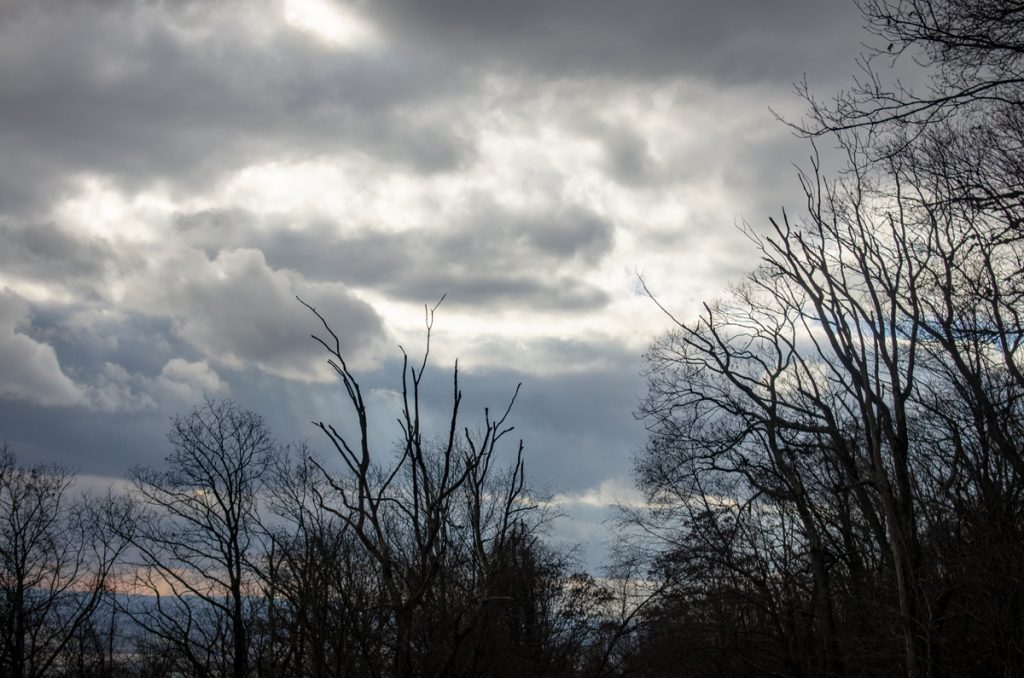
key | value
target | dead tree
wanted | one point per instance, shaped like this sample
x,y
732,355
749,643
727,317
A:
x,y
434,507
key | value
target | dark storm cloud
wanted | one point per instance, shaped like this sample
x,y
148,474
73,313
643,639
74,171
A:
x,y
174,315
115,362
578,427
87,338
37,250
508,237
559,293
86,440
737,41
489,256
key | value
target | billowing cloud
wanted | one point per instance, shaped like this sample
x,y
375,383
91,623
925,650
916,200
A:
x,y
237,310
189,381
31,370
180,384
33,373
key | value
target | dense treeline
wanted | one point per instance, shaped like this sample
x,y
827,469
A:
x,y
835,463
834,472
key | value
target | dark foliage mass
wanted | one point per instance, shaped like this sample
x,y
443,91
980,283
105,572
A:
x,y
834,472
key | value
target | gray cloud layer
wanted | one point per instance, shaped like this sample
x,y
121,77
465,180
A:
x,y
175,173
735,41
491,256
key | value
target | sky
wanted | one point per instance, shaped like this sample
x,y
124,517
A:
x,y
174,174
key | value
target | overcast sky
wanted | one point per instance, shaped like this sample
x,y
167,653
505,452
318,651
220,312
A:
x,y
174,173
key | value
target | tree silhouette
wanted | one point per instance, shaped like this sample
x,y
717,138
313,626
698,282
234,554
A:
x,y
57,555
196,536
834,443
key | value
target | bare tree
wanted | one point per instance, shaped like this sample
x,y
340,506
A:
x,y
841,434
436,518
196,537
326,602
57,558
968,52
862,385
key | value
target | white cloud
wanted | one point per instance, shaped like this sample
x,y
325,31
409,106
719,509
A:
x,y
609,493
233,306
114,389
179,383
189,381
336,23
